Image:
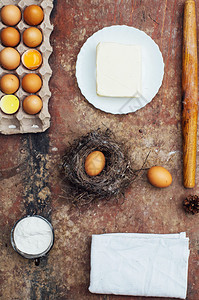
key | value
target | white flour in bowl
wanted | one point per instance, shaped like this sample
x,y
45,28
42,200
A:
x,y
32,235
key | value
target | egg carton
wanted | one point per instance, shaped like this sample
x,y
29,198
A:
x,y
21,122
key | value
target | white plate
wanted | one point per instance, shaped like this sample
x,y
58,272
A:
x,y
152,69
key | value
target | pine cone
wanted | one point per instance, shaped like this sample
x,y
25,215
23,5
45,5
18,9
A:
x,y
191,204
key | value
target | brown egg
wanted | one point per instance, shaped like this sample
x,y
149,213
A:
x,y
9,58
32,37
31,83
10,15
32,104
9,84
159,177
33,15
10,37
94,163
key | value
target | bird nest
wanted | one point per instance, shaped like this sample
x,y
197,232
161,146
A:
x,y
116,176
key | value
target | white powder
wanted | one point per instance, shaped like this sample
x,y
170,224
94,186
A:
x,y
32,235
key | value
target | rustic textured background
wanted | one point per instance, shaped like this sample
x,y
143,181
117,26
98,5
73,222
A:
x,y
29,163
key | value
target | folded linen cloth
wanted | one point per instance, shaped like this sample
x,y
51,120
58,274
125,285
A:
x,y
139,264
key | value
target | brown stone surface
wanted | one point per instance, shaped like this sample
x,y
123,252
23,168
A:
x,y
29,163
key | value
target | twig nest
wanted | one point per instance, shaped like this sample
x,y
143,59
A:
x,y
191,204
115,173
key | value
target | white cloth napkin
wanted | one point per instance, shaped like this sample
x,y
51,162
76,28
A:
x,y
139,264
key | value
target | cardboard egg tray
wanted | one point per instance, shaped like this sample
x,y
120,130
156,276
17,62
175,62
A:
x,y
21,122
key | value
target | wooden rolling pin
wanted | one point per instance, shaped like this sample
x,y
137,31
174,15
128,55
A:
x,y
190,94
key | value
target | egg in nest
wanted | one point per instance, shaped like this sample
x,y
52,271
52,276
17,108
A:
x,y
94,163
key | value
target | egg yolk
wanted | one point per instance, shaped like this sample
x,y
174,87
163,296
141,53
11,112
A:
x,y
9,104
32,59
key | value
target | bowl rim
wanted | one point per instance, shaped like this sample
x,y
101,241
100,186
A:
x,y
32,256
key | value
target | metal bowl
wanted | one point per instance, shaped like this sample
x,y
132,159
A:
x,y
27,255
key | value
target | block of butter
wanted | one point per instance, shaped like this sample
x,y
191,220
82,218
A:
x,y
118,70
